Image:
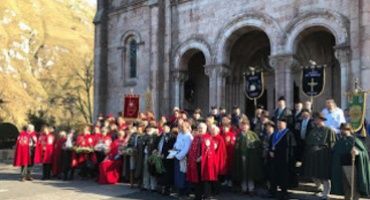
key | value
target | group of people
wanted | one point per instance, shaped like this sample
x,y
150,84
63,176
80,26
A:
x,y
186,154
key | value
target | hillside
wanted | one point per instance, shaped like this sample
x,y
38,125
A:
x,y
43,45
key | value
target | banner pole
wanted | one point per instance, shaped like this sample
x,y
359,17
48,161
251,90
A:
x,y
255,103
312,106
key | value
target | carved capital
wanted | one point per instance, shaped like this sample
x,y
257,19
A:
x,y
284,61
179,75
342,53
219,70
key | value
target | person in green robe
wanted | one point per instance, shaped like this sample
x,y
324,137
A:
x,y
247,158
317,156
347,147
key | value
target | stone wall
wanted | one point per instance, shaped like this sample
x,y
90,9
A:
x,y
167,29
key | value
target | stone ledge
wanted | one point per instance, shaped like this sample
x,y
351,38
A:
x,y
6,155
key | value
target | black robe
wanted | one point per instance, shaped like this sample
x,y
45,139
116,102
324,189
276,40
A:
x,y
283,162
165,143
286,113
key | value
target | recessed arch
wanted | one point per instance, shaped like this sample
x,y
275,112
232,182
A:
x,y
187,49
334,23
243,24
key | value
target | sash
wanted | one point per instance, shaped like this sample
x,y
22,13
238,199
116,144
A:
x,y
277,137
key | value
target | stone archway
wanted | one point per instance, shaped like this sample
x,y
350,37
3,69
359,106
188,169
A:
x,y
322,22
253,22
317,44
189,73
252,48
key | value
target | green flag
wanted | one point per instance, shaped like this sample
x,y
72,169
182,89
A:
x,y
357,109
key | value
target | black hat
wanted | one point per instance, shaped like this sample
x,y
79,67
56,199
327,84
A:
x,y
269,123
282,98
167,124
318,115
198,111
346,127
235,107
213,107
259,106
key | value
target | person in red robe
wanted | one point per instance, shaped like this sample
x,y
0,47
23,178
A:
x,y
209,161
102,145
22,157
57,162
44,152
84,156
229,136
193,175
111,168
221,155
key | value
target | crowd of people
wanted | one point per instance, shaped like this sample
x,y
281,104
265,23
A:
x,y
188,154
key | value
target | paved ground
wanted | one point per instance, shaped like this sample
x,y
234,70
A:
x,y
11,188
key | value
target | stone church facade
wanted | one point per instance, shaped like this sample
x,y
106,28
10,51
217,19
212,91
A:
x,y
192,53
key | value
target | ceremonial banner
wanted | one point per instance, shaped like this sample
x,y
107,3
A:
x,y
313,80
131,106
357,109
253,85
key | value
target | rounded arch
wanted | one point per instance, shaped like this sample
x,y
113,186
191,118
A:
x,y
334,23
243,24
188,48
131,34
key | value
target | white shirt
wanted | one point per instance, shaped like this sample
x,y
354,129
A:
x,y
334,118
182,144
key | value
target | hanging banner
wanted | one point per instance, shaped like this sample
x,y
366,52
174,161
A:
x,y
313,80
131,106
357,110
253,85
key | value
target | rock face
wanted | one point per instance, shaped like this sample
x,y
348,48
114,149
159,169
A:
x,y
43,44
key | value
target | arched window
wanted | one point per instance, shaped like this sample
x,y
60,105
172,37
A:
x,y
133,58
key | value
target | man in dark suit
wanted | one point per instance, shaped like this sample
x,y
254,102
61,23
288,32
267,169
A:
x,y
282,111
304,126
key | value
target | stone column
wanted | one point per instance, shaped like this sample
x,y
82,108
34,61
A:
x,y
217,83
179,77
343,55
283,64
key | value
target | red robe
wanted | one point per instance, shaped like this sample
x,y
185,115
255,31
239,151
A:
x,y
84,141
44,149
209,169
221,154
195,151
57,155
22,150
230,138
110,169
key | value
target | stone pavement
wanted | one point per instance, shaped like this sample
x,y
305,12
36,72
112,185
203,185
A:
x,y
12,189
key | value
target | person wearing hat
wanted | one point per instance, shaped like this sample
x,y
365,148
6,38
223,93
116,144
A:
x,y
259,127
216,114
197,116
303,128
282,154
136,144
269,129
235,116
257,116
166,142
347,147
247,162
317,156
150,146
282,111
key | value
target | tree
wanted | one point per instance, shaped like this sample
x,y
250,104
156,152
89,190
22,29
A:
x,y
84,90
